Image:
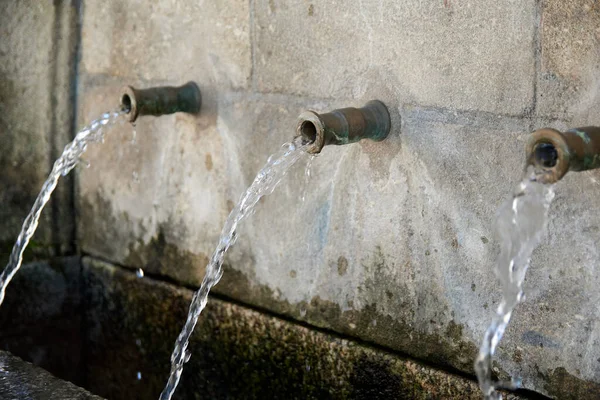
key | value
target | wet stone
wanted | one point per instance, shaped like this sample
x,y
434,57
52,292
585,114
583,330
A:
x,y
20,380
41,317
235,352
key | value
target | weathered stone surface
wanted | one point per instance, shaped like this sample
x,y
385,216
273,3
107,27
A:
x,y
169,41
20,380
35,118
157,203
568,83
399,248
24,126
41,317
393,244
62,116
555,332
461,55
235,352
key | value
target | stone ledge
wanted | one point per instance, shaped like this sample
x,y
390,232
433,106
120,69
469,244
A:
x,y
21,380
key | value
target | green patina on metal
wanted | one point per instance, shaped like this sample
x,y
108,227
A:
x,y
591,161
583,135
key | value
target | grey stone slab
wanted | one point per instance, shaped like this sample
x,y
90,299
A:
x,y
24,110
169,41
236,353
394,241
20,380
36,104
463,55
159,204
158,201
568,84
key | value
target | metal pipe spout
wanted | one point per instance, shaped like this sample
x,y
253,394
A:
x,y
347,125
555,153
161,100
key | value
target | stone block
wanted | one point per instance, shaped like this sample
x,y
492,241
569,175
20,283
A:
x,y
394,242
235,352
21,380
169,41
36,93
156,203
24,111
568,83
459,55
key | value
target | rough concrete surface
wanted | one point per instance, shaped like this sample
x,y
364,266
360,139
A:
x,y
20,380
236,353
157,171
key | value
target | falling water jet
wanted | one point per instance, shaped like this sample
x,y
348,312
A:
x,y
521,222
520,225
62,166
134,102
314,131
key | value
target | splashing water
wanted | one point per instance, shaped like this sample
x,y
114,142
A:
x,y
134,134
71,155
521,222
265,182
307,175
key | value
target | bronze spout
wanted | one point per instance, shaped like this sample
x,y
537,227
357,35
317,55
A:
x,y
347,125
555,153
161,100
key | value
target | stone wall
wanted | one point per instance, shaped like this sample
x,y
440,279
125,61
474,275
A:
x,y
394,242
237,353
37,91
106,329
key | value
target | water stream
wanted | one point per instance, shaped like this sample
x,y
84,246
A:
x,y
307,176
265,182
71,155
521,222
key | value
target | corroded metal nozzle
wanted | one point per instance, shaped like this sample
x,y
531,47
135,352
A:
x,y
347,125
161,100
555,153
